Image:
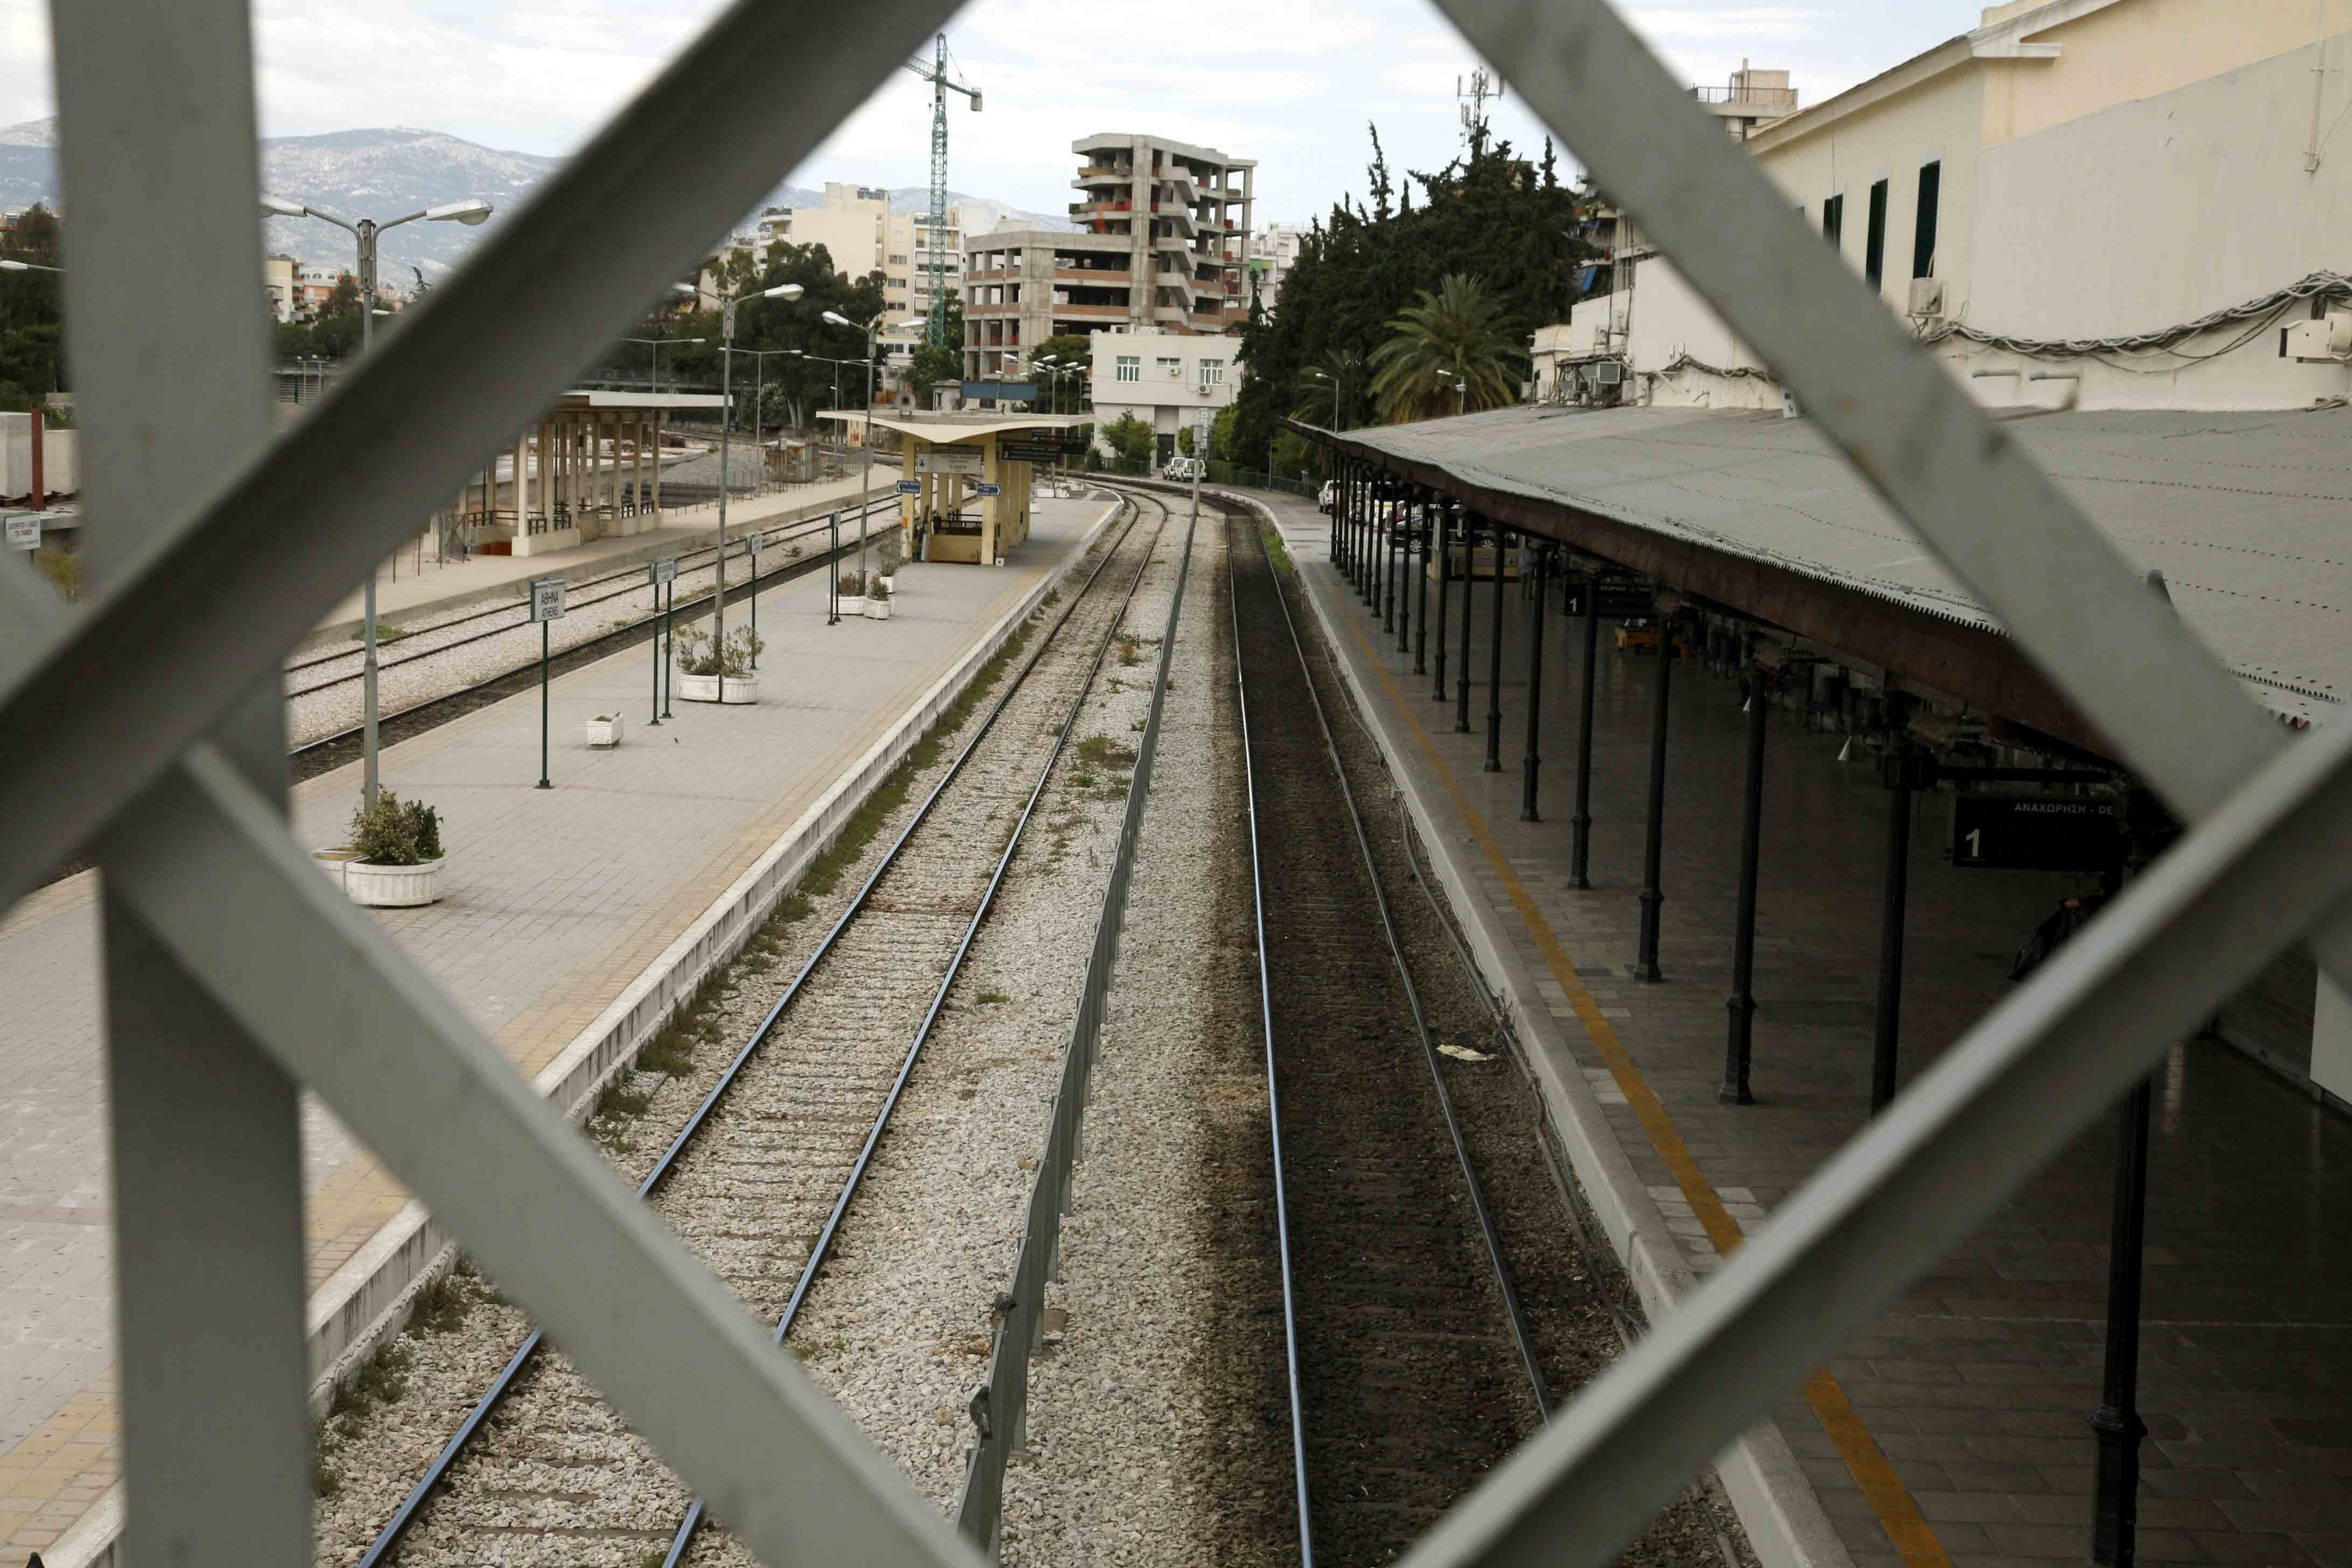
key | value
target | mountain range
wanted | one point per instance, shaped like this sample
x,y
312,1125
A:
x,y
399,170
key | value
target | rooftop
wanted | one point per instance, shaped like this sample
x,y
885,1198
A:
x,y
943,429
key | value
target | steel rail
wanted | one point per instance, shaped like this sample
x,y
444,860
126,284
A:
x,y
413,1505
823,1244
621,634
522,606
1273,1087
1520,1333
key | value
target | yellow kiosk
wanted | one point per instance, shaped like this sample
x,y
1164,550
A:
x,y
955,482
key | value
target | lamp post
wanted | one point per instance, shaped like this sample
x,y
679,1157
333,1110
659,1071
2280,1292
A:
x,y
471,211
656,343
1461,392
725,426
759,358
866,483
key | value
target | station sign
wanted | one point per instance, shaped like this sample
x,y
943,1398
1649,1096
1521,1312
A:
x,y
1034,451
753,542
985,489
547,598
2034,833
911,487
662,571
25,530
948,461
1618,600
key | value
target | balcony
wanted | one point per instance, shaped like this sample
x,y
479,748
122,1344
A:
x,y
1095,276
1090,313
1765,100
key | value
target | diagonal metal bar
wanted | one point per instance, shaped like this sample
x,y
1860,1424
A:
x,y
339,1006
210,602
1926,1173
1974,497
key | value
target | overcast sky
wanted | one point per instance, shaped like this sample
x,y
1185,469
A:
x,y
1288,83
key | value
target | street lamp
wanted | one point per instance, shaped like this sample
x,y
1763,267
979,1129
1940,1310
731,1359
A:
x,y
469,212
725,427
1461,392
1337,384
8,266
867,483
657,349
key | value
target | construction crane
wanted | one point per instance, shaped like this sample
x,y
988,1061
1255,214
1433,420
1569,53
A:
x,y
936,257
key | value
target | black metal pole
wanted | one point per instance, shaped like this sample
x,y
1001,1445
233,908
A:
x,y
1429,514
1889,1022
1338,471
655,723
1469,596
1363,507
1389,556
1535,686
833,570
2114,1511
1445,591
1407,532
542,704
669,642
1579,842
1494,764
1742,1002
1342,513
1646,960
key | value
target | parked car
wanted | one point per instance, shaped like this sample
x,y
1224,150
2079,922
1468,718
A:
x,y
1182,467
1327,496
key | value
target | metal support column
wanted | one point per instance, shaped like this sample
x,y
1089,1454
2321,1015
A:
x,y
204,1127
1339,483
1646,959
1494,764
1406,532
1734,1090
1469,594
1429,516
1533,761
1580,844
1445,591
2115,1513
1390,557
1905,772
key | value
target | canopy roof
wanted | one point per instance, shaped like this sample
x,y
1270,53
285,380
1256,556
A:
x,y
661,400
943,429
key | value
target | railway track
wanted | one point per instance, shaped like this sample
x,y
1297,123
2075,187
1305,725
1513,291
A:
x,y
1412,1366
761,1179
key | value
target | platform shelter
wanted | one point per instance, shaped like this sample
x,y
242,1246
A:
x,y
964,479
588,469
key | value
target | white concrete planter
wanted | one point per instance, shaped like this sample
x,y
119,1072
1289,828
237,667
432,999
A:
x,y
877,609
382,886
891,583
605,732
852,604
705,688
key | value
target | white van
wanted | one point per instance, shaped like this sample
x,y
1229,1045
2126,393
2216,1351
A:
x,y
1184,467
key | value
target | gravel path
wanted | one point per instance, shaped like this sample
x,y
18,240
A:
x,y
1157,1425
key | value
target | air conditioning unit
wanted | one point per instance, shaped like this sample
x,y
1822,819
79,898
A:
x,y
1608,373
1175,372
2327,337
1926,297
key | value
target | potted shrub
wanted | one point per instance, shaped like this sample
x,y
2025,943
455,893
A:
x,y
702,660
877,601
853,592
394,858
605,730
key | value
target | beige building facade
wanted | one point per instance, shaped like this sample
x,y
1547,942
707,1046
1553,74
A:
x,y
2069,170
858,230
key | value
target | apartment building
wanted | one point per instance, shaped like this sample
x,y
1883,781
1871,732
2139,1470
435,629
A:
x,y
2070,172
1271,257
277,282
858,230
1161,245
1752,99
1171,381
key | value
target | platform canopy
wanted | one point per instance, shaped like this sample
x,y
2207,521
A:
x,y
943,429
668,402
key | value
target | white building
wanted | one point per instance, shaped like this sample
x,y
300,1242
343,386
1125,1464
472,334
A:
x,y
1171,381
1271,257
2090,171
863,236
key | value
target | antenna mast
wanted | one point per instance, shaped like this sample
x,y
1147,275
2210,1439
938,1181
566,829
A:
x,y
1474,92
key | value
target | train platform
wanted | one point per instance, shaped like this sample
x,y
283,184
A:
x,y
1955,1429
404,588
570,918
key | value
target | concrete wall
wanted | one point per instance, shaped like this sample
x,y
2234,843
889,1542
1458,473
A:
x,y
61,472
1168,404
1670,320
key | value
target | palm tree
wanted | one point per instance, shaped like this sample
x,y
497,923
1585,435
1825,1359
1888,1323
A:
x,y
1460,329
1333,387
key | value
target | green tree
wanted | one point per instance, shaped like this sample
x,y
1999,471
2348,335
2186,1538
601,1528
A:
x,y
1130,442
32,347
292,340
1068,348
336,328
934,365
1454,337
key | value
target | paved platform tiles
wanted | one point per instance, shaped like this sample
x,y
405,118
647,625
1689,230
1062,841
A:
x,y
402,589
556,901
1954,1429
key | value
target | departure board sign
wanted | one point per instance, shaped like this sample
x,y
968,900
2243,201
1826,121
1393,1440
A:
x,y
2034,833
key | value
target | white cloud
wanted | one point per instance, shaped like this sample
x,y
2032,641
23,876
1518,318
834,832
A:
x,y
1713,26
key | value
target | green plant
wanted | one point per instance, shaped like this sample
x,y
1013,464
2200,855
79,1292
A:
x,y
700,653
385,632
881,589
393,832
1461,327
991,997
853,583
62,568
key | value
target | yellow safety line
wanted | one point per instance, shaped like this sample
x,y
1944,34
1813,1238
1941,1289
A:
x,y
1905,1525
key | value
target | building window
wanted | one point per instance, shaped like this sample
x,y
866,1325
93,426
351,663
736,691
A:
x,y
1923,237
1874,252
898,261
1213,373
1170,366
1833,220
1130,367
